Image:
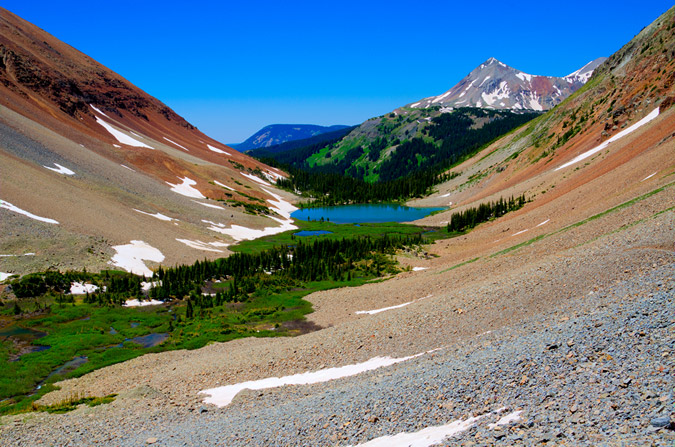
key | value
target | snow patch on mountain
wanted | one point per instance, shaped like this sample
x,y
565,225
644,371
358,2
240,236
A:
x,y
186,188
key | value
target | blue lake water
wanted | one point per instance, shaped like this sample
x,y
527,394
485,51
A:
x,y
306,233
370,213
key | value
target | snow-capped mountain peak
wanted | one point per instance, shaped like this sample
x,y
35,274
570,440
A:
x,y
495,85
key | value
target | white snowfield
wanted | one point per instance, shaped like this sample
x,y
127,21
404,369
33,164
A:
x,y
176,144
419,269
60,169
223,185
99,111
137,303
146,286
255,178
156,216
423,438
222,396
384,309
4,276
241,233
121,136
125,166
130,257
508,419
209,205
78,288
216,150
648,177
8,206
186,188
206,246
654,113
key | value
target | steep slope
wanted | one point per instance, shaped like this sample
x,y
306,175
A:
x,y
560,311
290,146
83,147
495,85
275,134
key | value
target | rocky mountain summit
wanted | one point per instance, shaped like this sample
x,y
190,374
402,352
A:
x,y
495,85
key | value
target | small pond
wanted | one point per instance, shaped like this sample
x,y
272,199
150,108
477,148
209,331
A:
x,y
371,213
306,233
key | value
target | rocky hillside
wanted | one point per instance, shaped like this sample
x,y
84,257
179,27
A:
x,y
275,134
98,163
495,85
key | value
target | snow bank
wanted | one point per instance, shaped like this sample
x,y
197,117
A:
x,y
384,309
186,188
223,185
157,216
419,269
280,206
78,288
240,233
130,257
176,144
219,151
96,109
222,396
125,166
206,246
648,177
16,209
4,276
255,178
146,286
616,137
446,195
543,223
137,303
423,438
209,205
506,420
121,136
60,169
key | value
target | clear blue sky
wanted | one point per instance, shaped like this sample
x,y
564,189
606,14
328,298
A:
x,y
231,68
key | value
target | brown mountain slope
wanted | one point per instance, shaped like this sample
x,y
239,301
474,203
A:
x,y
122,151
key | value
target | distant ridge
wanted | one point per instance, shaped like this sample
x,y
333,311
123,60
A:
x,y
281,133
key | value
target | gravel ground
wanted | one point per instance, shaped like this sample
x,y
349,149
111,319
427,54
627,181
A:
x,y
580,341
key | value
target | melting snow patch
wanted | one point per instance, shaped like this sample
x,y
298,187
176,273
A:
x,y
137,303
255,178
16,209
520,232
648,177
282,207
506,420
384,309
186,188
603,145
156,216
125,166
419,269
223,185
4,276
146,286
78,288
544,222
423,438
216,150
446,195
130,257
239,233
121,136
60,169
206,246
173,142
98,111
209,205
222,396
